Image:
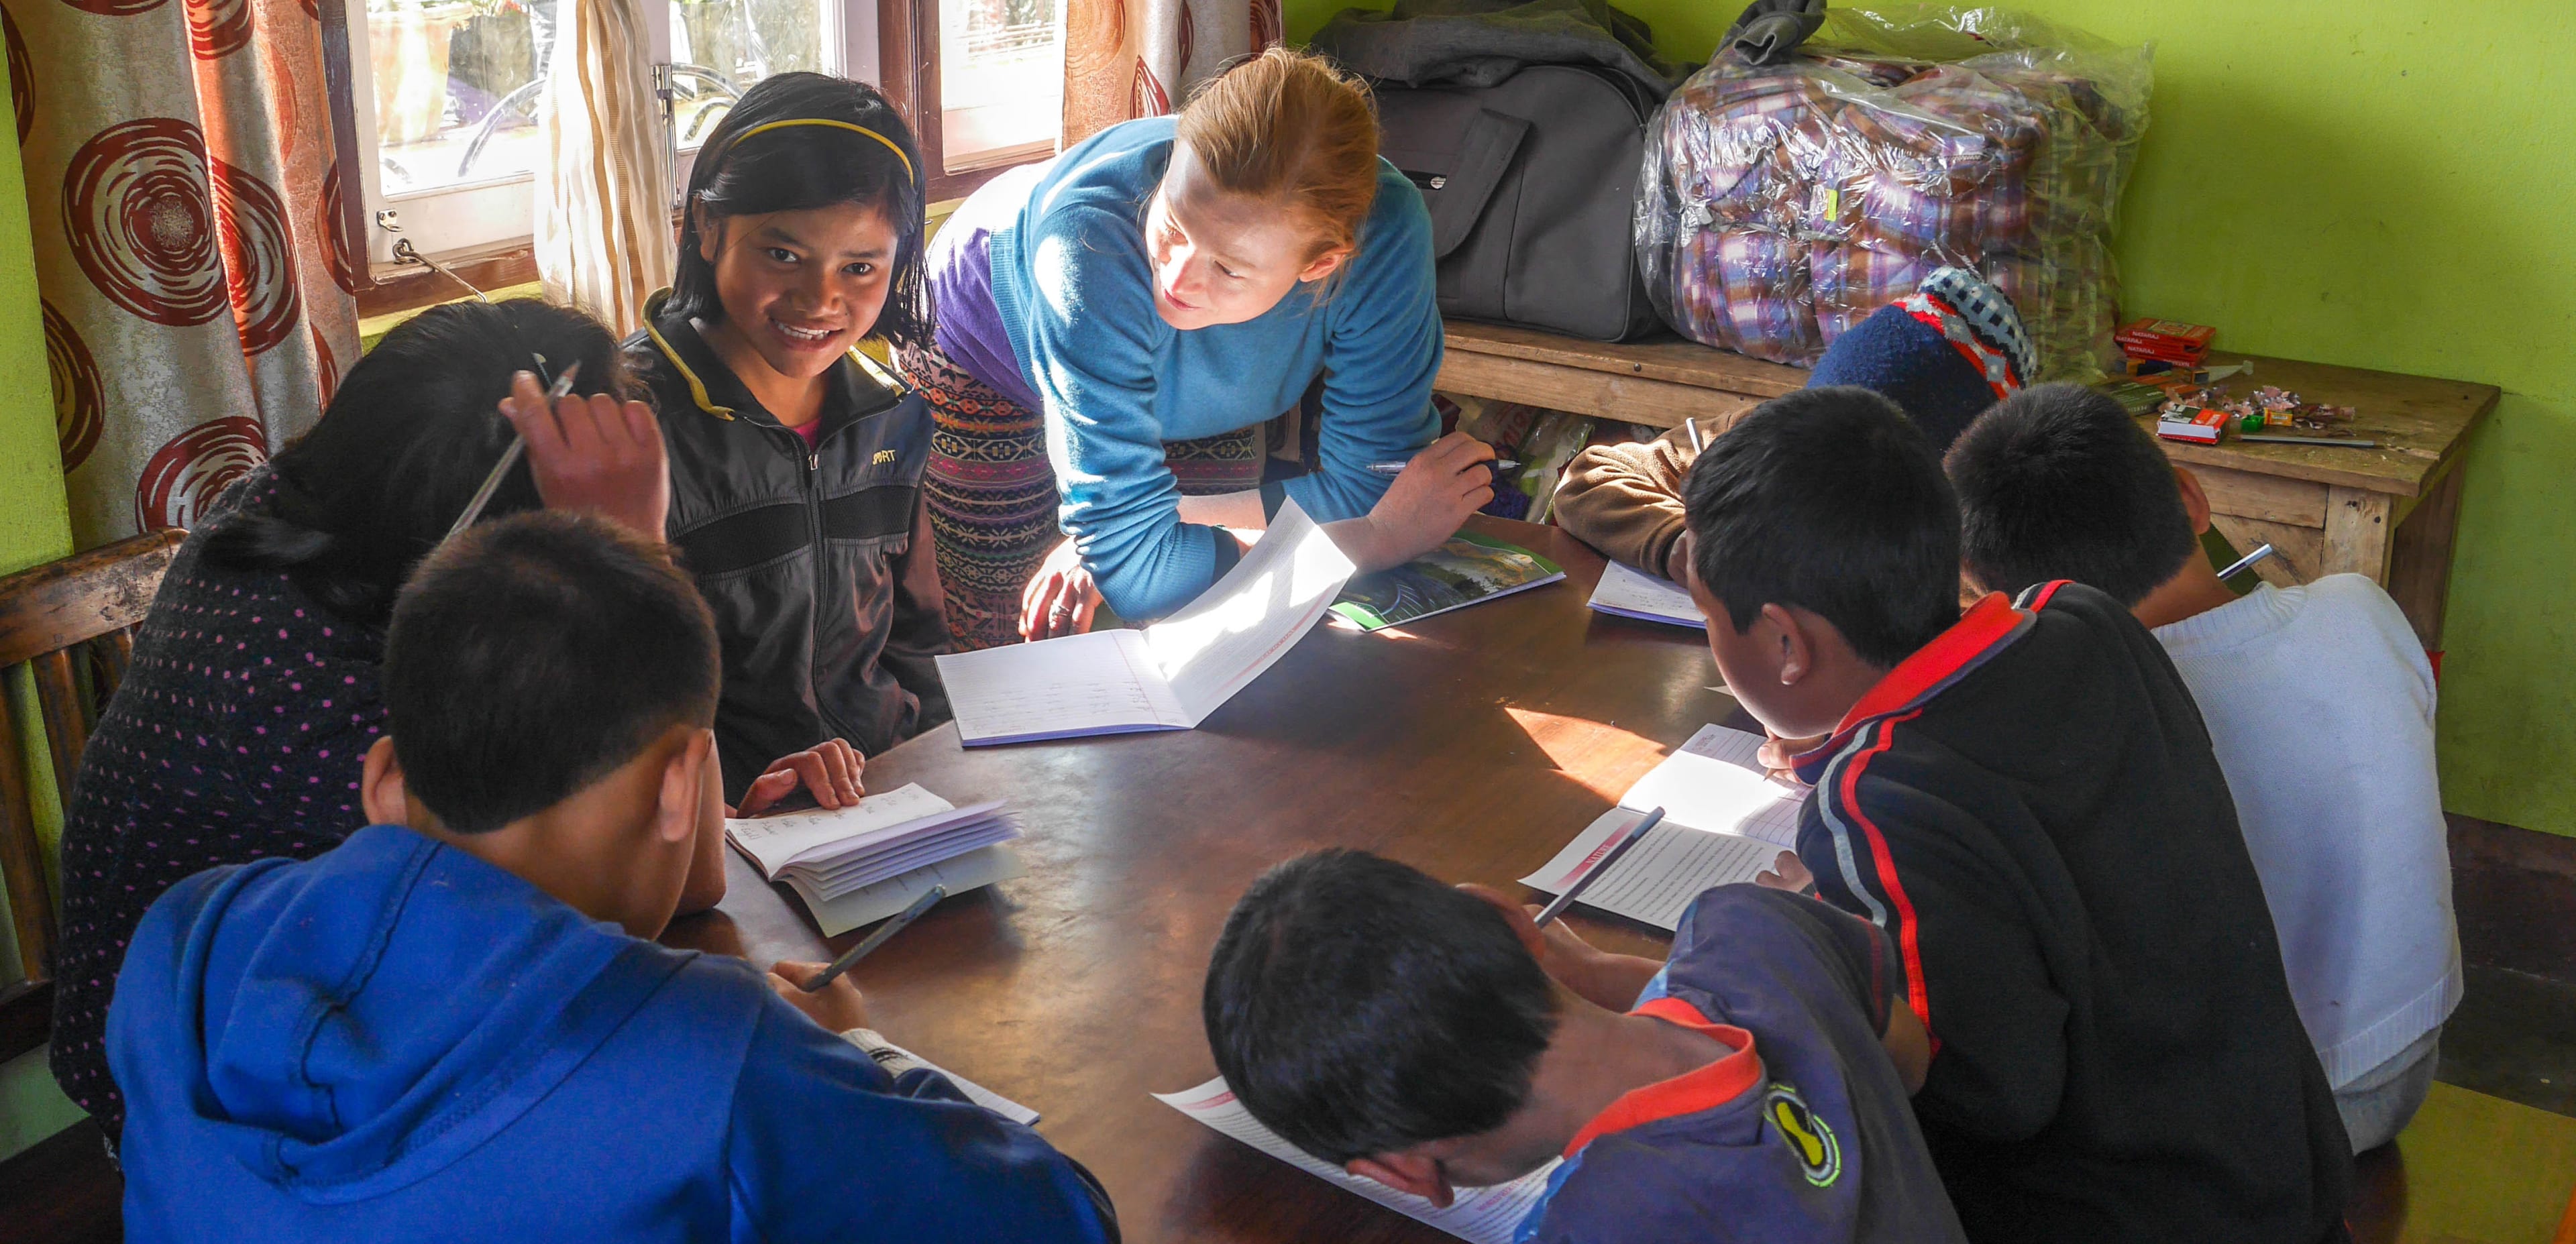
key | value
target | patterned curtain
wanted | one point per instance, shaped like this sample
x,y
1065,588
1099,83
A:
x,y
195,271
604,239
1125,59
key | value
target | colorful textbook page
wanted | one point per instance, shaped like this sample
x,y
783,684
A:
x,y
1467,570
1725,821
1168,676
1636,594
1484,1215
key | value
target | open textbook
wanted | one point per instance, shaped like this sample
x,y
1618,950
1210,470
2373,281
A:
x,y
1168,676
1724,822
1636,594
1484,1215
862,863
1468,569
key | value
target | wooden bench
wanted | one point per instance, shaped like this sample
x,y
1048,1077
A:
x,y
71,623
2389,513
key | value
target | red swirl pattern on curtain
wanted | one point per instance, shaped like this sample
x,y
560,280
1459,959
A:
x,y
1125,59
195,275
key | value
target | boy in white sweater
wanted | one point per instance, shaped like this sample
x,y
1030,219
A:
x,y
2319,703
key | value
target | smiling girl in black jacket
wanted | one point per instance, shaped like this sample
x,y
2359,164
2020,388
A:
x,y
795,460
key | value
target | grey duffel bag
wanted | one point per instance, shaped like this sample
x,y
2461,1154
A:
x,y
1530,183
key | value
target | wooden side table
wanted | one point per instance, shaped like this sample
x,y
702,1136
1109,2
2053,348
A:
x,y
2388,512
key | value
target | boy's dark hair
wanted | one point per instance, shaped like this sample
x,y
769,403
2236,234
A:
x,y
1830,500
2057,482
801,167
532,656
408,437
1357,1007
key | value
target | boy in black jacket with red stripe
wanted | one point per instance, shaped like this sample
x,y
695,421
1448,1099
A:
x,y
2025,800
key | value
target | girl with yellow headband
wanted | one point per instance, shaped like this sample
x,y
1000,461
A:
x,y
796,461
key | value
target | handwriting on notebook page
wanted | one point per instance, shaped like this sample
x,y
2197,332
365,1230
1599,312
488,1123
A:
x,y
1482,1215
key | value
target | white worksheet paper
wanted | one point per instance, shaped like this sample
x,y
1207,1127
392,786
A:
x,y
1636,594
1724,822
1169,676
977,1093
1483,1215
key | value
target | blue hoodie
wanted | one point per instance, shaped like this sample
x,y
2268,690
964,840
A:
x,y
397,1040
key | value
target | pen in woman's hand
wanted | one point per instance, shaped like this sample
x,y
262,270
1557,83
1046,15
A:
x,y
1393,469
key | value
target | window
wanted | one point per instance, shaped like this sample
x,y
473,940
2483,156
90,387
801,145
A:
x,y
981,81
443,96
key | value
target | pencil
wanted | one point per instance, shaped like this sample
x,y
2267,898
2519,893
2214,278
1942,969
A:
x,y
1562,901
2240,564
929,899
1690,428
1397,468
510,456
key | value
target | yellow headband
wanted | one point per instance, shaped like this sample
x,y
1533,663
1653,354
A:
x,y
890,144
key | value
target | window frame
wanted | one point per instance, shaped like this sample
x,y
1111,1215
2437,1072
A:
x,y
441,223
908,50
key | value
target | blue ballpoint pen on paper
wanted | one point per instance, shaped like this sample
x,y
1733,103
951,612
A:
x,y
929,899
1392,469
1635,833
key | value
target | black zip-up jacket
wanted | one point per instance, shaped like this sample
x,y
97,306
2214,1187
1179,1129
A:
x,y
2030,808
816,562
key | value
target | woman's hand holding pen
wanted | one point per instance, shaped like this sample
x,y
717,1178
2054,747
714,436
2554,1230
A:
x,y
594,453
1425,505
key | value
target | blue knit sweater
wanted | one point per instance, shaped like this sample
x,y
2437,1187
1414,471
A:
x,y
1074,291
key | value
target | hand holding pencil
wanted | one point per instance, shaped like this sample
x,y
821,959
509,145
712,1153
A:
x,y
593,453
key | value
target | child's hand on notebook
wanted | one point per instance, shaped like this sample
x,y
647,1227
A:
x,y
1788,872
830,770
1599,977
837,1006
1779,757
593,453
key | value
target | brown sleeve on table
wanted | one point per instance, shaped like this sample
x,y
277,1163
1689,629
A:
x,y
1626,500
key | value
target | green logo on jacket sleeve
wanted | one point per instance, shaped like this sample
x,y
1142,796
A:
x,y
1808,1137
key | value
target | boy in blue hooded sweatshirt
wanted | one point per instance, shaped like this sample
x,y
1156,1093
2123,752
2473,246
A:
x,y
452,1026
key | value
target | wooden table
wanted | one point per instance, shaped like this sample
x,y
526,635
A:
x,y
1472,746
2388,513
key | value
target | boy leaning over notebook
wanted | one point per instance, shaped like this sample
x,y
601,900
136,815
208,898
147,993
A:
x,y
1752,1088
2024,800
2319,701
450,1027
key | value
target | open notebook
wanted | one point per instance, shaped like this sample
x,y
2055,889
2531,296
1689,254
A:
x,y
1168,676
1636,594
862,863
1724,822
1484,1215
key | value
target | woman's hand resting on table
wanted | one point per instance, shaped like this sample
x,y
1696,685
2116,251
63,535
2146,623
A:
x,y
1440,487
1061,599
829,769
594,453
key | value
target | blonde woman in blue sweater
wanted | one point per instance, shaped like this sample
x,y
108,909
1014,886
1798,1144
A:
x,y
1115,327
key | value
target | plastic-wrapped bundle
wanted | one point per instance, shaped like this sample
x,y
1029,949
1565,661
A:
x,y
1782,204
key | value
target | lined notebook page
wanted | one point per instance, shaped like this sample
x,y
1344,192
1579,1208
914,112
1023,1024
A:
x,y
1484,1215
1081,684
1636,594
1725,821
1251,617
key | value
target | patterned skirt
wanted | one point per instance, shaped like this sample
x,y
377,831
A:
x,y
992,492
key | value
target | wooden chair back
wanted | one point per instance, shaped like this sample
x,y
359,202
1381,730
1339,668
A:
x,y
71,622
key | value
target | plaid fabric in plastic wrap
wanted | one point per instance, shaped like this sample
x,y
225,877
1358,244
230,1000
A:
x,y
1780,205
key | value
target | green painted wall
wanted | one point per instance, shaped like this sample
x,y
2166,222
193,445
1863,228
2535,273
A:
x,y
2386,184
35,526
